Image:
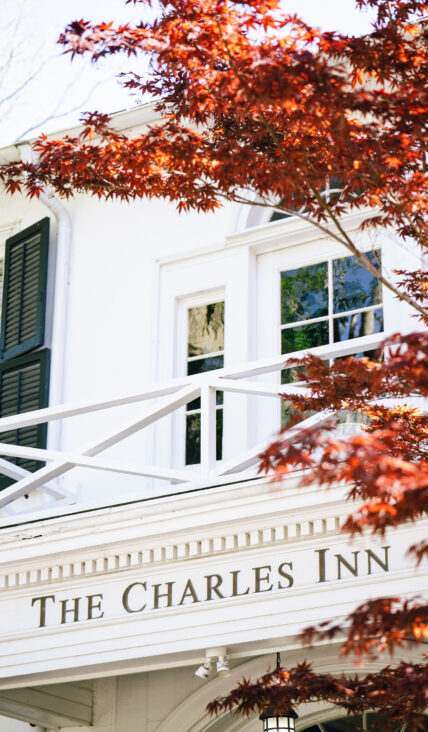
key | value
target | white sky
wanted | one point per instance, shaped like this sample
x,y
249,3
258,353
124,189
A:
x,y
29,30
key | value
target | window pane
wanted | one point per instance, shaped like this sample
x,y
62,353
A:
x,y
193,439
278,215
200,366
304,293
294,375
219,434
196,403
304,336
289,415
358,324
206,329
353,285
204,364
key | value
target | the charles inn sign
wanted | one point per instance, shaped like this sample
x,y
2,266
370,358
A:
x,y
145,595
125,619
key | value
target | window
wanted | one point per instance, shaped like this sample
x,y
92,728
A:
x,y
205,352
24,363
325,303
329,302
332,190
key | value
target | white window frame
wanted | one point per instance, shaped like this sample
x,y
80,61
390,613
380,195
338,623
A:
x,y
245,271
270,264
183,305
219,274
331,315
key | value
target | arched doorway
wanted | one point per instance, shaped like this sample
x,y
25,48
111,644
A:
x,y
369,722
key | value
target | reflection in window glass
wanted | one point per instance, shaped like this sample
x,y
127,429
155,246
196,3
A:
x,y
304,293
358,324
304,336
326,303
206,330
353,285
205,352
198,366
329,302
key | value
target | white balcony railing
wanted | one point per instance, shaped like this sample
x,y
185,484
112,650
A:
x,y
164,400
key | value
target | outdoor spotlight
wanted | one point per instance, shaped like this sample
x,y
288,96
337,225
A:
x,y
278,723
222,667
204,669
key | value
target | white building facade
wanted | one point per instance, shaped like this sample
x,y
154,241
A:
x,y
143,353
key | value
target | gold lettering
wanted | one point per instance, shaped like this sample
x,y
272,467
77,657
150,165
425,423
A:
x,y
341,560
235,592
321,564
74,610
42,600
158,595
125,598
371,555
258,579
94,606
189,591
286,576
213,583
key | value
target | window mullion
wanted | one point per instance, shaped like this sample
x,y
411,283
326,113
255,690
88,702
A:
x,y
201,357
330,301
309,321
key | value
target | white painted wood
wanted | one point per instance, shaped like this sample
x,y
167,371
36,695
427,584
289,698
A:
x,y
208,430
10,470
176,394
252,456
16,472
58,705
275,363
254,368
249,387
174,476
58,468
41,416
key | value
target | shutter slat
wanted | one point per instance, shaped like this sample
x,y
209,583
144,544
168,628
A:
x,y
24,291
23,388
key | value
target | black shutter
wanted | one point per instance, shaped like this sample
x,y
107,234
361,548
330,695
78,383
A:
x,y
24,291
24,386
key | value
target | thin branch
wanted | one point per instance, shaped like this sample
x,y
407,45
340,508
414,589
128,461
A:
x,y
52,116
346,241
27,81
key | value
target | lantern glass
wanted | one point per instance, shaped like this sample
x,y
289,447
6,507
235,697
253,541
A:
x,y
278,724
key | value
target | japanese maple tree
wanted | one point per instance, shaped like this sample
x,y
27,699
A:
x,y
257,107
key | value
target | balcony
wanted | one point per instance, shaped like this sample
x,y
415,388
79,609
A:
x,y
44,492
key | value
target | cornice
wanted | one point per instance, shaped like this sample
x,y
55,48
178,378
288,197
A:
x,y
106,563
146,555
217,537
290,232
220,522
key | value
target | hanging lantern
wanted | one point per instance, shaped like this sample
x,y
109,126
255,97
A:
x,y
283,722
275,723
